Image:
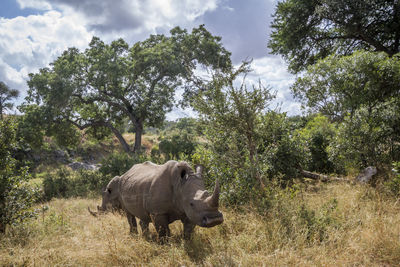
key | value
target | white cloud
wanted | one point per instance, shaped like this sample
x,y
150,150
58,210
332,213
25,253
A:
x,y
271,71
36,4
127,16
30,43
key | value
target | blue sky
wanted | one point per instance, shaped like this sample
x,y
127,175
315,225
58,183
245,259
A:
x,y
11,9
34,32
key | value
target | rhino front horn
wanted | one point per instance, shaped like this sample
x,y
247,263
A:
x,y
215,196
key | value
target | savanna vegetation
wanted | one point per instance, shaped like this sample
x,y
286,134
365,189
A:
x,y
107,105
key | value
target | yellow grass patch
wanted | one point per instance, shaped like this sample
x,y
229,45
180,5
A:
x,y
364,231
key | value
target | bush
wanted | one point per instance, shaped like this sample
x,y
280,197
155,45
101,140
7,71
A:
x,y
172,146
119,163
281,156
315,137
66,183
367,138
393,185
58,185
16,196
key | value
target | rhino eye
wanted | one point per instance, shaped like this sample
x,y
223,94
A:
x,y
109,190
191,204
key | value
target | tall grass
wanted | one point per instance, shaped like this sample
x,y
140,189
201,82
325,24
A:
x,y
321,225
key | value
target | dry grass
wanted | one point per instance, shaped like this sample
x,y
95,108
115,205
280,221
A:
x,y
362,230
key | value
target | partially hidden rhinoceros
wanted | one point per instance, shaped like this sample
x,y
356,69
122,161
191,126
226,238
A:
x,y
162,194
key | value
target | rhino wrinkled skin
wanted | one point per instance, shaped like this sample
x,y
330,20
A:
x,y
162,194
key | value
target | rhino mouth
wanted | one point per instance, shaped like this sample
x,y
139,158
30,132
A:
x,y
211,220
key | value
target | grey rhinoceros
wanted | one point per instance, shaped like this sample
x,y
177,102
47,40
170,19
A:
x,y
162,194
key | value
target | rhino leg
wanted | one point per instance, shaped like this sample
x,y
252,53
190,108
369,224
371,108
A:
x,y
188,228
132,223
160,222
145,227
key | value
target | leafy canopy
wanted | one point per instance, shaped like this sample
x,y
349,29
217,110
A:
x,y
307,30
336,86
6,95
107,83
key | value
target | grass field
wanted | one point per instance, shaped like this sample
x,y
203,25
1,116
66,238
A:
x,y
322,225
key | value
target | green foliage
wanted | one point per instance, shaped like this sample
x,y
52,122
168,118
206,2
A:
x,y
16,197
6,95
179,139
118,163
57,186
280,154
65,183
363,92
36,122
369,137
393,185
247,145
337,86
315,137
108,84
174,145
305,31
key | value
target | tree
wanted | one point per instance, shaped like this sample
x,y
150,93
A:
x,y
307,30
337,86
247,143
232,121
362,91
367,138
6,95
100,87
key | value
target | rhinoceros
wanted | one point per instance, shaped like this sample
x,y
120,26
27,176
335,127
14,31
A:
x,y
162,194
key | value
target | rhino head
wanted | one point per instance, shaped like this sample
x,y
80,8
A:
x,y
110,197
200,207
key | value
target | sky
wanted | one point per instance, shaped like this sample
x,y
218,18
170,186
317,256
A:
x,y
34,32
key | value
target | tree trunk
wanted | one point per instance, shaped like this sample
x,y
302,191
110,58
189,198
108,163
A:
x,y
324,178
122,140
254,162
138,136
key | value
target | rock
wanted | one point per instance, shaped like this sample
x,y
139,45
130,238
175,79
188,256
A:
x,y
61,156
366,175
81,165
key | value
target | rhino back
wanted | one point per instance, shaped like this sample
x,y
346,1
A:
x,y
147,189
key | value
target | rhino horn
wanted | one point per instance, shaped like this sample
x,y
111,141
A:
x,y
92,212
215,196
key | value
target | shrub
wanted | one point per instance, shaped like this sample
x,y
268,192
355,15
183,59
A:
x,y
172,146
16,196
57,185
119,163
393,185
66,183
315,137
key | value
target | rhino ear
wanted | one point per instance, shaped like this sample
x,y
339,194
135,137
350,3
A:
x,y
199,169
183,170
183,174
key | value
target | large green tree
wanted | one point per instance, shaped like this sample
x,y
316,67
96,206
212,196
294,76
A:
x,y
106,83
362,91
6,95
337,86
307,30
